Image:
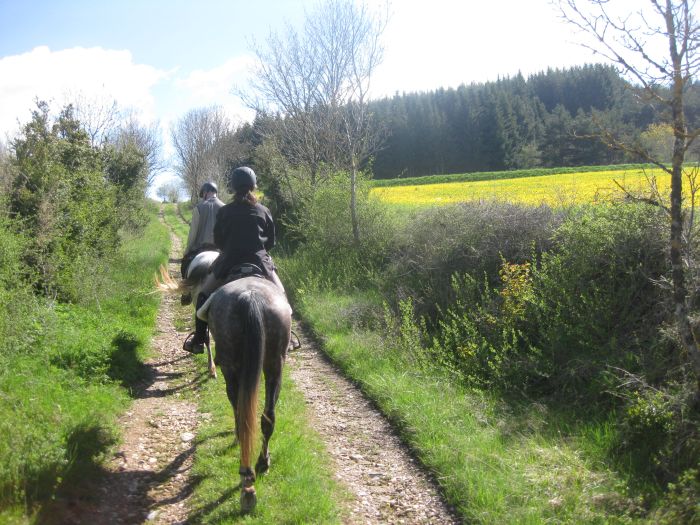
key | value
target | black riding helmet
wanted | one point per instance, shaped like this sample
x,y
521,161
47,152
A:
x,y
242,179
208,187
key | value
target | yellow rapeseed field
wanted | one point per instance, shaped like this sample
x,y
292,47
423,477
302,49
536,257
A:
x,y
553,190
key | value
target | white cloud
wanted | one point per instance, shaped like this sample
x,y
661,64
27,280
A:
x,y
446,43
214,87
55,76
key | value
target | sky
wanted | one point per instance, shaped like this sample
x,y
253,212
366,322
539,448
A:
x,y
162,58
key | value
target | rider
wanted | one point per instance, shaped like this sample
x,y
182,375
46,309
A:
x,y
201,236
244,232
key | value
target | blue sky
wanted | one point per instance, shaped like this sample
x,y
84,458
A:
x,y
162,58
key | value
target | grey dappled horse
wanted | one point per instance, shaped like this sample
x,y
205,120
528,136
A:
x,y
250,321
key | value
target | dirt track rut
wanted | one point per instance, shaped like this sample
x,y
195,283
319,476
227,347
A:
x,y
387,484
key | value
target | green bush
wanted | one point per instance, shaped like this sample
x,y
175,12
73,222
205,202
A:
x,y
682,503
329,254
560,320
596,305
20,320
71,200
469,239
659,431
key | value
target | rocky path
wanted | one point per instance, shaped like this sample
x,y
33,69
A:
x,y
147,480
387,484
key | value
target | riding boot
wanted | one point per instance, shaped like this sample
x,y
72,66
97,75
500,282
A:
x,y
196,340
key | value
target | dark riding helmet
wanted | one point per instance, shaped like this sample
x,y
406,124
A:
x,y
208,187
242,179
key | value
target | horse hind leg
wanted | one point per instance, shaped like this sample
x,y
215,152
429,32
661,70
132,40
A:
x,y
267,422
249,498
232,394
273,381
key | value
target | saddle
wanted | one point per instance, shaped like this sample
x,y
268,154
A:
x,y
244,270
236,272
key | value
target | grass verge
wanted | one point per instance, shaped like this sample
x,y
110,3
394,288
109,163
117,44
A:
x,y
59,398
299,487
495,462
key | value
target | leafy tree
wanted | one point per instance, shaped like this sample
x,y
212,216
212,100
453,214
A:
x,y
658,140
63,200
169,191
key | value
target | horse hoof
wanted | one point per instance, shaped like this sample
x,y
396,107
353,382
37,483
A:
x,y
263,464
248,500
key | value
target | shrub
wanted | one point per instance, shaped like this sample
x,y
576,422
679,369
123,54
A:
x,y
559,321
681,503
596,304
16,299
324,224
469,239
659,432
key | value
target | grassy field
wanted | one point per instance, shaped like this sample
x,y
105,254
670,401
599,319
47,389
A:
x,y
299,488
556,189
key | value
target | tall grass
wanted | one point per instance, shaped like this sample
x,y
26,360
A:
x,y
495,462
59,396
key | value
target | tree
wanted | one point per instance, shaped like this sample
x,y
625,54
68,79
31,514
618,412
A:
x,y
132,134
658,140
98,116
658,49
170,191
200,138
318,82
63,200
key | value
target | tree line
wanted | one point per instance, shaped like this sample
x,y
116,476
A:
x,y
550,119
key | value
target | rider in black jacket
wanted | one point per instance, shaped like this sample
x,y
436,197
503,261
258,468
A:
x,y
244,232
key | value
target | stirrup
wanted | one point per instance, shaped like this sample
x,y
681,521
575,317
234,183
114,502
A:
x,y
194,348
186,299
295,345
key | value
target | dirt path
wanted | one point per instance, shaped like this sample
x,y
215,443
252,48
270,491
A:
x,y
370,460
147,480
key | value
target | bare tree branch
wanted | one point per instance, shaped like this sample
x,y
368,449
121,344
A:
x,y
634,42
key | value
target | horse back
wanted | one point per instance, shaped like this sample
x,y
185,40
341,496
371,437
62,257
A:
x,y
227,317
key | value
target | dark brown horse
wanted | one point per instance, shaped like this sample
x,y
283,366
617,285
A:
x,y
250,321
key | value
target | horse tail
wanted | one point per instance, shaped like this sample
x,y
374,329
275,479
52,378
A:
x,y
249,310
